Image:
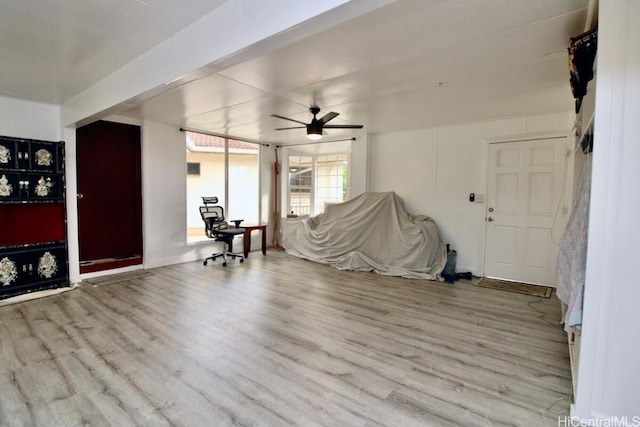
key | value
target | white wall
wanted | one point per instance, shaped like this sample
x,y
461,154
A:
x,y
359,166
608,376
25,119
434,170
164,197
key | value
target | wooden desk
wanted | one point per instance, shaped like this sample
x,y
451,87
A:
x,y
247,237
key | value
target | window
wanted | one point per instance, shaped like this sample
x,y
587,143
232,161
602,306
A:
x,y
193,168
300,184
243,178
229,170
331,180
316,181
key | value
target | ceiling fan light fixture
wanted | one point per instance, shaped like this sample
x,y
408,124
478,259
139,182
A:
x,y
314,133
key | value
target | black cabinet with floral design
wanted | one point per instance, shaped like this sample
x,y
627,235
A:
x,y
33,267
33,242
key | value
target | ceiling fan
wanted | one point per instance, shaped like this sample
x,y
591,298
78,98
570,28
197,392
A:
x,y
314,129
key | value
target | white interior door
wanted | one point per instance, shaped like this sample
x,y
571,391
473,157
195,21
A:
x,y
524,191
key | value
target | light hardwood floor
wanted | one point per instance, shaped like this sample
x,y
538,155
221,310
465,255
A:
x,y
282,341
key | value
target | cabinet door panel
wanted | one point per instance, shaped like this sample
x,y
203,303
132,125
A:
x,y
10,186
11,270
44,186
31,223
8,153
21,267
50,264
44,156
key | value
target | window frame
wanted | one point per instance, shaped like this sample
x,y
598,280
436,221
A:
x,y
314,170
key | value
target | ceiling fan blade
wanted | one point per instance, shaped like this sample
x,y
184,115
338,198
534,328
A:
x,y
287,118
295,127
329,116
343,126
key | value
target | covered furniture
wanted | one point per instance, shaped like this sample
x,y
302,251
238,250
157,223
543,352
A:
x,y
572,256
371,232
217,228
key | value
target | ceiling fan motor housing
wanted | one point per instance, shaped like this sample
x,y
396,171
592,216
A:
x,y
314,128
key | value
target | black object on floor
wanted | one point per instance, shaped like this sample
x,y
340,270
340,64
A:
x,y
451,278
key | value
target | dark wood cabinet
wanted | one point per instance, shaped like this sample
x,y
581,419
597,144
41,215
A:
x,y
33,233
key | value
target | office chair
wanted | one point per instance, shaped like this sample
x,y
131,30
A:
x,y
216,227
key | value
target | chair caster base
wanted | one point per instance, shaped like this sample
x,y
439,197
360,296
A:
x,y
224,264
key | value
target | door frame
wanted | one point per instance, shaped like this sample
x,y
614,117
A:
x,y
568,180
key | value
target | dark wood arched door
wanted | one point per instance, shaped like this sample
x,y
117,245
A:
x,y
109,195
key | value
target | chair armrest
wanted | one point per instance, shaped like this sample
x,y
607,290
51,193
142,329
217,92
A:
x,y
237,222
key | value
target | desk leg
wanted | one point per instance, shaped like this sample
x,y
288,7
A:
x,y
247,242
247,239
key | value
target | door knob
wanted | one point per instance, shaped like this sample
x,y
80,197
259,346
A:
x,y
490,219
80,196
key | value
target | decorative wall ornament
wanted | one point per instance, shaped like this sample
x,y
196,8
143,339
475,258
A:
x,y
43,187
44,157
8,271
48,266
5,154
5,188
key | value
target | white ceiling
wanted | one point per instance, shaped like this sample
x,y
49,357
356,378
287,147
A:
x,y
410,65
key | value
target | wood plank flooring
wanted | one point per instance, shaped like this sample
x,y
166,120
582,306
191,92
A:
x,y
280,341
